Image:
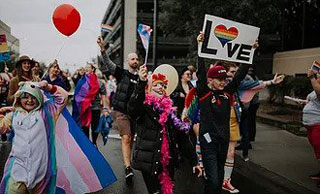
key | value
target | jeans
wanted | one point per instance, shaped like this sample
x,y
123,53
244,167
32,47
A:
x,y
214,156
252,112
244,133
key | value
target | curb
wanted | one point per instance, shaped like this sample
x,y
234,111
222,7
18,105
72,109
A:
x,y
272,182
292,127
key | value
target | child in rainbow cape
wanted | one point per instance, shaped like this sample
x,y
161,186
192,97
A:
x,y
48,154
158,130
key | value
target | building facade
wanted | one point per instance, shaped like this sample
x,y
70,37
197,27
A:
x,y
13,42
125,16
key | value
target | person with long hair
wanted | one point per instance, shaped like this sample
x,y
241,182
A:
x,y
55,77
23,72
184,85
87,102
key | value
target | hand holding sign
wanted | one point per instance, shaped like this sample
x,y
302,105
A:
x,y
228,40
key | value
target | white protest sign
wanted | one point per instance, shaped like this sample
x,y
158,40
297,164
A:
x,y
228,40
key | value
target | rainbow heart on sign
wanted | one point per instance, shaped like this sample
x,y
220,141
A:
x,y
225,35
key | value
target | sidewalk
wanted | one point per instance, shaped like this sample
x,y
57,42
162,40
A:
x,y
278,152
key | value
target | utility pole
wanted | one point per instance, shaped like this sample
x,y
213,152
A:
x,y
303,23
155,20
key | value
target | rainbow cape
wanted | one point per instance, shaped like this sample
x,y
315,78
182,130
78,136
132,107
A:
x,y
86,90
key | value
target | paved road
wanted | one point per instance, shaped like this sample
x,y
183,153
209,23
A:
x,y
248,177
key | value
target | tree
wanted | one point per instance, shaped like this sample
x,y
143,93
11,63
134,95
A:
x,y
288,18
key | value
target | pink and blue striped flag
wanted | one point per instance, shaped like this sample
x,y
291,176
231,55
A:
x,y
81,167
145,34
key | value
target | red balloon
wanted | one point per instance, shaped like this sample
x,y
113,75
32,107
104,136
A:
x,y
66,19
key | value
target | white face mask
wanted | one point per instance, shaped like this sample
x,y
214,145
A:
x,y
158,89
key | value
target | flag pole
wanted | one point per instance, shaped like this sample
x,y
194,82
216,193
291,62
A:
x,y
146,58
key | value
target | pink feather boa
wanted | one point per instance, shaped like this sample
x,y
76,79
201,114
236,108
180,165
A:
x,y
165,104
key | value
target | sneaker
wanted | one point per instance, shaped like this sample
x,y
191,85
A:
x,y
315,177
129,174
245,158
228,187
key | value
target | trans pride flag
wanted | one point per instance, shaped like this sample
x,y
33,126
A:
x,y
248,88
145,33
81,167
86,90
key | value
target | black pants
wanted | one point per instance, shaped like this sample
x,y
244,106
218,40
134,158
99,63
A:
x,y
152,181
244,133
214,156
4,137
252,112
94,125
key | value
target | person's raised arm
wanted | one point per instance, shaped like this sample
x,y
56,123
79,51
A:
x,y
111,66
315,81
202,87
59,101
232,87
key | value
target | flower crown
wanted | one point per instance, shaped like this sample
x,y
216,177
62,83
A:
x,y
159,77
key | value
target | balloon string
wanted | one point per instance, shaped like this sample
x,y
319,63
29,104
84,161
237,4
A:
x,y
60,49
46,72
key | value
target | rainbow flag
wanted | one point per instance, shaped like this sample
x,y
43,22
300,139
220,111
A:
x,y
106,28
86,90
81,167
316,66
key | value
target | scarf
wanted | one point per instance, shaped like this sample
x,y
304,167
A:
x,y
164,106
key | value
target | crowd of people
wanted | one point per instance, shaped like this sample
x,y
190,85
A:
x,y
224,104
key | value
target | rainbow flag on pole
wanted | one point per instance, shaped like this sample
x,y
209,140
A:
x,y
106,28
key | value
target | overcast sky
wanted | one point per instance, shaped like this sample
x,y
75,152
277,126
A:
x,y
31,22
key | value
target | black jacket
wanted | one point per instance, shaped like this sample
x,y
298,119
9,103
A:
x,y
215,117
146,154
179,101
126,83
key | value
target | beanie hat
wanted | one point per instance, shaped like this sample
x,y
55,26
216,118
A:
x,y
217,72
